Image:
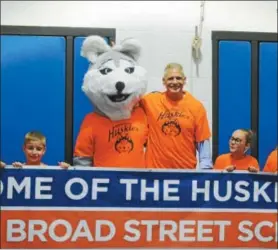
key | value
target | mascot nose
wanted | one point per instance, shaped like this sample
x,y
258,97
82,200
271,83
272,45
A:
x,y
120,86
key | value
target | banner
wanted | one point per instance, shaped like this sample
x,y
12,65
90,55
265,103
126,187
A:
x,y
93,208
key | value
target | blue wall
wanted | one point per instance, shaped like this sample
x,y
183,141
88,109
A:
x,y
234,89
32,94
235,94
268,58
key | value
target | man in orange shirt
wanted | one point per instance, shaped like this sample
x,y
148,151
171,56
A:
x,y
178,125
271,164
239,143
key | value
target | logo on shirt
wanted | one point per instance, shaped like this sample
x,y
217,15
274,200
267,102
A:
x,y
171,128
171,115
121,135
124,144
121,130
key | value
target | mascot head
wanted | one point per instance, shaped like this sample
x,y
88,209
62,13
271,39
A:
x,y
114,81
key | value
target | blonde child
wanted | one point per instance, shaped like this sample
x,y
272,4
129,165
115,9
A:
x,y
2,164
34,148
237,159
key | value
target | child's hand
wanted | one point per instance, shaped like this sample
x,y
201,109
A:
x,y
252,169
64,165
17,164
230,168
2,164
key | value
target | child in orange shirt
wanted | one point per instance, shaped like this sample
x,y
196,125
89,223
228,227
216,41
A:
x,y
237,159
34,149
271,162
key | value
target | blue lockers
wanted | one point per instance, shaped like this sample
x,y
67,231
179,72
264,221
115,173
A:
x,y
234,101
32,94
81,104
268,57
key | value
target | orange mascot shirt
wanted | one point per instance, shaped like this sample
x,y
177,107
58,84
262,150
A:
x,y
244,163
174,130
271,162
113,143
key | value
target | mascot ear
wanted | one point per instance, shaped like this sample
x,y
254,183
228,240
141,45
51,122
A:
x,y
131,47
93,46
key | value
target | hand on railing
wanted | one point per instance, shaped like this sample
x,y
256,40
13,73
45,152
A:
x,y
64,165
17,164
252,169
230,168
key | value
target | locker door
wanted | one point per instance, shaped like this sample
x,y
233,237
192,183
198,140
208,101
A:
x,y
234,90
267,99
32,94
81,104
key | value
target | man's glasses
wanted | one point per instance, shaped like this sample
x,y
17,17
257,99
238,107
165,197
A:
x,y
235,140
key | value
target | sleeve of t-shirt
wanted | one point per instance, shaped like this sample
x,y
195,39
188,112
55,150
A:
x,y
84,146
202,130
268,165
255,163
146,100
218,163
143,103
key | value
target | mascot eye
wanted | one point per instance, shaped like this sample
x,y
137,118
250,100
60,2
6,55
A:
x,y
105,71
129,70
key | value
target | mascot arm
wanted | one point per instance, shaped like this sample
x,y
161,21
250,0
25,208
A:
x,y
205,161
83,161
84,148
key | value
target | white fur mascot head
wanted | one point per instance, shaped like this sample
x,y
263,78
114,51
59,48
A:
x,y
114,82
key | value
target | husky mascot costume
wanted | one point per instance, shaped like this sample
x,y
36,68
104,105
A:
x,y
114,134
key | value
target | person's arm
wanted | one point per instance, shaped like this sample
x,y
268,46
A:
x,y
83,161
203,139
205,160
2,164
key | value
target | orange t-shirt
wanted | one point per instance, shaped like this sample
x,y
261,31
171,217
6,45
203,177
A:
x,y
225,160
174,130
113,143
271,162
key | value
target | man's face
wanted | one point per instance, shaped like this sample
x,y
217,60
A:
x,y
174,81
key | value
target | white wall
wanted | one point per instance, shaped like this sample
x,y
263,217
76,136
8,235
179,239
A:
x,y
165,28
